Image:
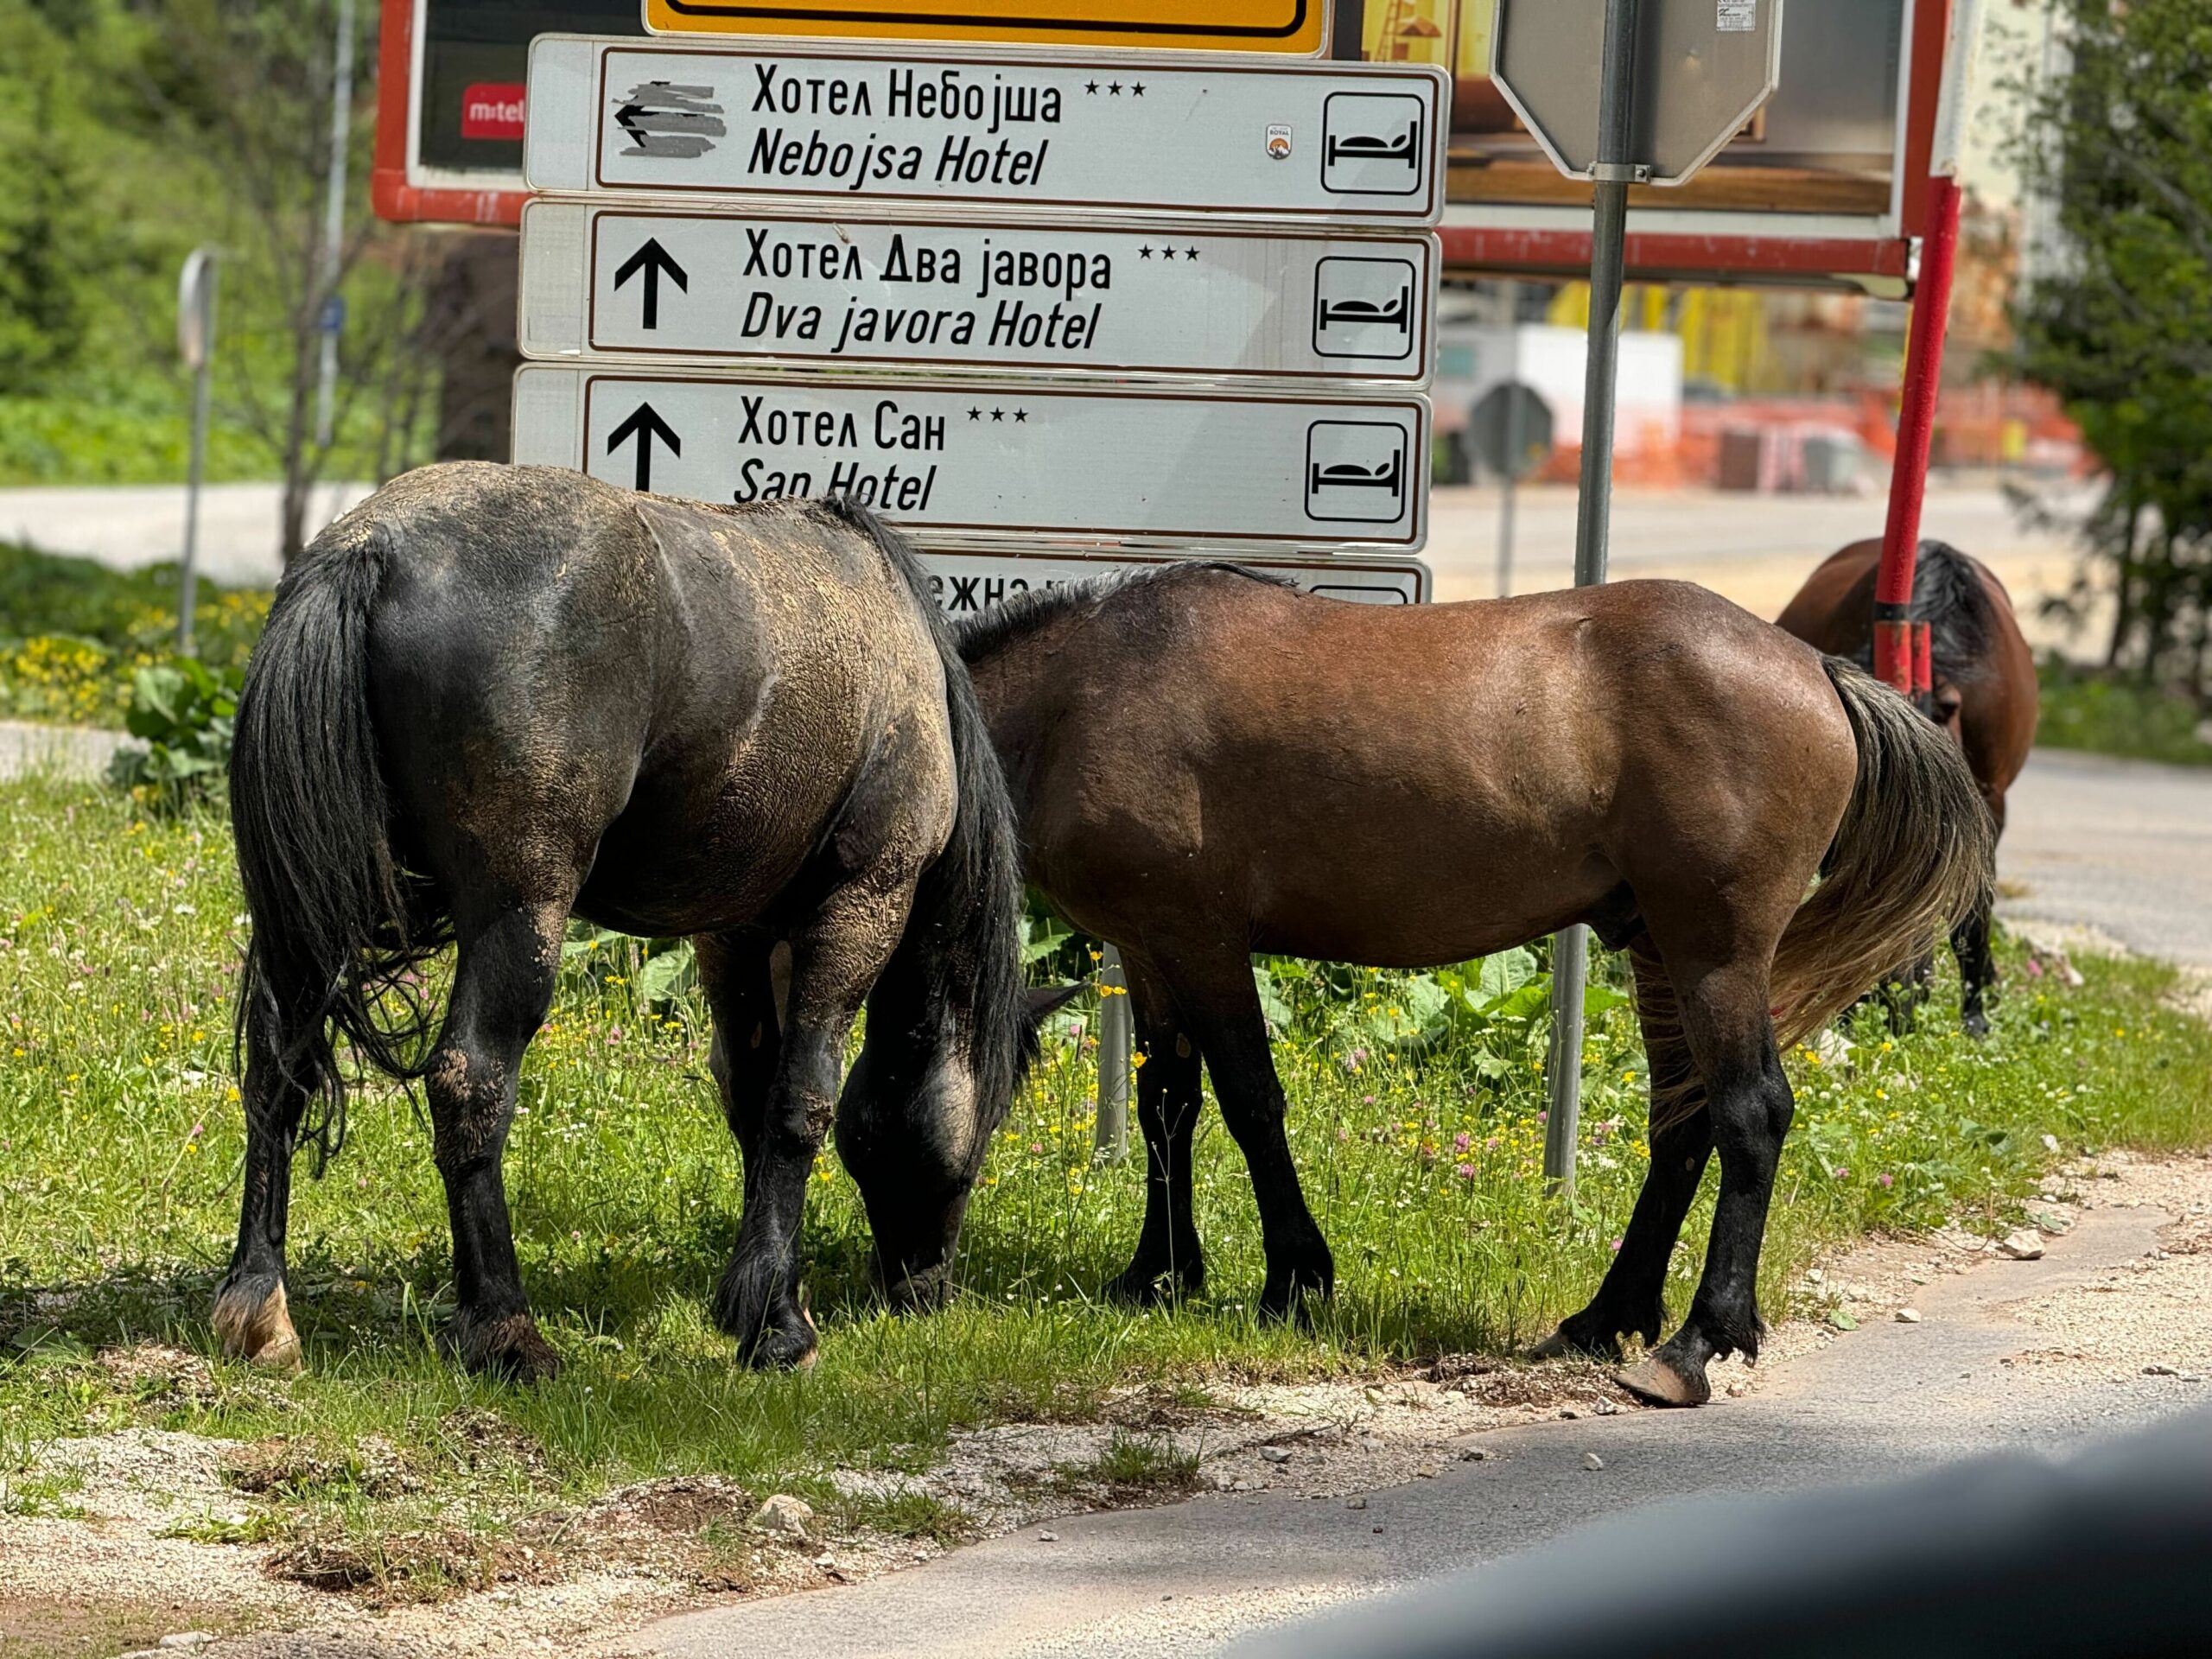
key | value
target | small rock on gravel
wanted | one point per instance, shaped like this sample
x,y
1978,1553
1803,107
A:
x,y
1474,1454
1907,1316
785,1516
1048,1536
1592,1461
1357,1503
187,1639
2025,1245
1276,1454
2162,1370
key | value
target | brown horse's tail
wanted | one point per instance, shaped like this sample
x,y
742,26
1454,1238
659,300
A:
x,y
1916,853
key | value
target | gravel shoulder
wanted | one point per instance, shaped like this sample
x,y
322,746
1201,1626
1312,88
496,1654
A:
x,y
1307,1496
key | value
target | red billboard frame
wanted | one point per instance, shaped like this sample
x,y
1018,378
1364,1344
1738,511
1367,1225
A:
x,y
391,192
1467,249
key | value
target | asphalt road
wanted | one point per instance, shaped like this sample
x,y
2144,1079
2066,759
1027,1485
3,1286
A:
x,y
1754,549
1891,1399
2122,845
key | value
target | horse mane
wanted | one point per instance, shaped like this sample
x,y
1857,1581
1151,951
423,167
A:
x,y
985,635
1948,596
967,918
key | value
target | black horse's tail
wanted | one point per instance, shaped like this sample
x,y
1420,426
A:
x,y
337,926
969,903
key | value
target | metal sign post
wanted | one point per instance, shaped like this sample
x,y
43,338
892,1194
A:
x,y
1511,427
1716,64
1117,1023
1896,658
195,344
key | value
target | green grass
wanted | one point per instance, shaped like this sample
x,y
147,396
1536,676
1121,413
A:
x,y
120,1142
2085,709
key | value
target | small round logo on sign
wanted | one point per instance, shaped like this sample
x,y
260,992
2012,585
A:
x,y
1278,141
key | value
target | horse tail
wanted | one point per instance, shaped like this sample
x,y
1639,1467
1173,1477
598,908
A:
x,y
1916,853
968,905
336,930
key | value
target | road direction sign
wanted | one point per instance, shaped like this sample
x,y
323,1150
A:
x,y
1704,68
965,581
1510,427
598,279
1105,465
1356,146
1205,25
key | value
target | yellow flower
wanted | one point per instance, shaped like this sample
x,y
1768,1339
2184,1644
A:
x,y
1137,1060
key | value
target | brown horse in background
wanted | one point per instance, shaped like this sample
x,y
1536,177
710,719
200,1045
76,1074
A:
x,y
1206,764
1985,692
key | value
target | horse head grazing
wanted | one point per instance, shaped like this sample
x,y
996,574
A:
x,y
951,1028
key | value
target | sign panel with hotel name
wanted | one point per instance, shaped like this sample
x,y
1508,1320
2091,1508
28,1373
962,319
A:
x,y
1352,146
914,292
1029,460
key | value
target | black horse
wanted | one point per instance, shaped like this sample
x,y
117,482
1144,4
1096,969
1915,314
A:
x,y
492,697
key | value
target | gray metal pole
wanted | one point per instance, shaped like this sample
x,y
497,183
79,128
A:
x,y
334,219
1616,170
188,578
188,582
1110,1136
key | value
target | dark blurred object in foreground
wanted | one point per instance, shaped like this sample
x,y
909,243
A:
x,y
2102,1555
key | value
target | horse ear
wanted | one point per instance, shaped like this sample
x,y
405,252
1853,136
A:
x,y
1047,1001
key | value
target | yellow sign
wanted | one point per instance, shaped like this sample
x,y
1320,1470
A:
x,y
1292,26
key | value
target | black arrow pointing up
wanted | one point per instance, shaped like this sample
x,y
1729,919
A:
x,y
644,425
654,261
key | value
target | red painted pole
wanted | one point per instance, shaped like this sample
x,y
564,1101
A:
x,y
1923,374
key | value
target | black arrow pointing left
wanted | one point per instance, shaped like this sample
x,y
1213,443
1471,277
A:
x,y
644,425
654,260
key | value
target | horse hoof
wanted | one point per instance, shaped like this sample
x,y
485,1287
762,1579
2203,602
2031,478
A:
x,y
1562,1344
786,1344
510,1349
920,1293
1140,1286
1653,1379
254,1322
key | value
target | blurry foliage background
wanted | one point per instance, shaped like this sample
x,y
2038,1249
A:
x,y
132,131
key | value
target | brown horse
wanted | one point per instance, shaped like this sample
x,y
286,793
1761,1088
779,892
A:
x,y
1206,764
1985,692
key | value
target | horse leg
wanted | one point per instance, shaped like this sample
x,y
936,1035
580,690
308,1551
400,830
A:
x,y
1632,1298
503,985
252,1318
1731,1038
1169,1100
734,971
1224,1013
835,957
1978,971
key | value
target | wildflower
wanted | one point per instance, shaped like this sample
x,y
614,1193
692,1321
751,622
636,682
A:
x,y
1615,1247
1462,1140
1137,1060
1465,1172
1843,1172
1884,1178
1543,1117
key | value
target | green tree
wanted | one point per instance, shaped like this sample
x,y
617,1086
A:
x,y
2121,324
50,234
